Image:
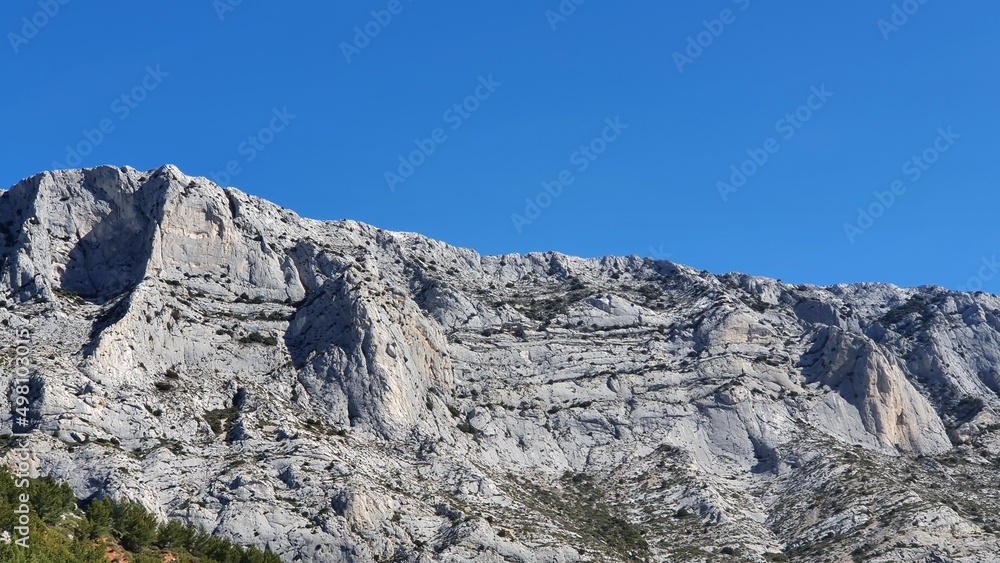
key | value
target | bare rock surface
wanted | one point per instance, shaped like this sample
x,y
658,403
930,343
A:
x,y
338,392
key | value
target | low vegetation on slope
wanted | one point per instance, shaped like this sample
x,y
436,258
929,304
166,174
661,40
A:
x,y
65,530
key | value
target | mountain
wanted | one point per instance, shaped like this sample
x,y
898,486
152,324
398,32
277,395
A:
x,y
337,392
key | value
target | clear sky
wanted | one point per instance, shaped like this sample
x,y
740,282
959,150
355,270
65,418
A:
x,y
637,116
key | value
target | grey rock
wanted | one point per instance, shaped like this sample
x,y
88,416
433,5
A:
x,y
338,392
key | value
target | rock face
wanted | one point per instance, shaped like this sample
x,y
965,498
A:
x,y
337,392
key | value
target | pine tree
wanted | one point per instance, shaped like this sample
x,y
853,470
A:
x,y
136,527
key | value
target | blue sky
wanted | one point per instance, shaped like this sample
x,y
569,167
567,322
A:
x,y
642,109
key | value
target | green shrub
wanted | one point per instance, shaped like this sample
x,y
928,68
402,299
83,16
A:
x,y
134,525
100,516
273,316
221,419
915,305
68,294
51,499
173,535
258,338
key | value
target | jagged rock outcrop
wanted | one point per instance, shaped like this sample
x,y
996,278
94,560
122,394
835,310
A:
x,y
342,393
870,383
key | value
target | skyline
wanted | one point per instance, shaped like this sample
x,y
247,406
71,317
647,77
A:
x,y
802,143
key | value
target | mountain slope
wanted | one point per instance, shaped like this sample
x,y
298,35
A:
x,y
337,392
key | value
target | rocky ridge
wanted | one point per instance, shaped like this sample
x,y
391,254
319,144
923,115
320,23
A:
x,y
338,392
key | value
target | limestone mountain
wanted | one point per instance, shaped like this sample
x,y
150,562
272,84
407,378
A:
x,y
338,392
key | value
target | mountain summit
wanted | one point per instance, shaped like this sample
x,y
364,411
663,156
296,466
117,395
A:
x,y
338,392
